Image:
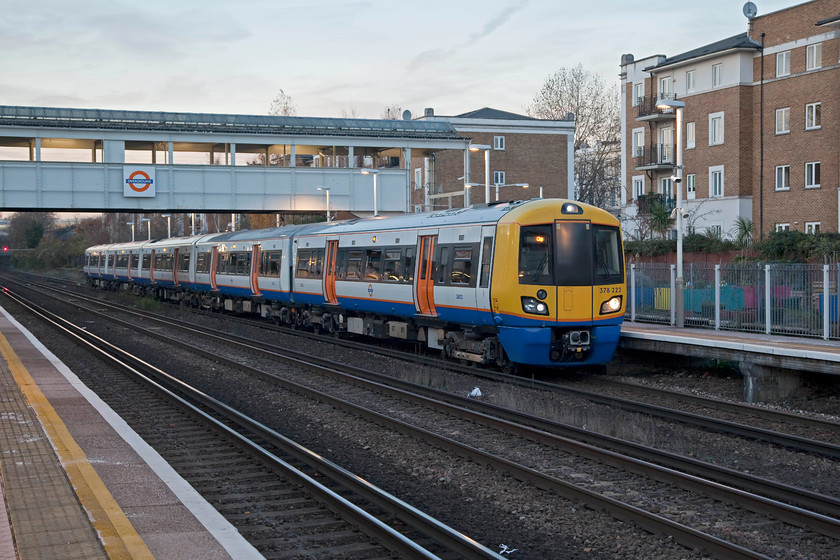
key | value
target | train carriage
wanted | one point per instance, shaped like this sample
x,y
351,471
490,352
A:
x,y
538,282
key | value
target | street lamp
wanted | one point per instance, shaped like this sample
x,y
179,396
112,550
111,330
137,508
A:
x,y
148,225
168,224
679,300
327,192
373,172
486,148
132,229
467,189
523,185
526,185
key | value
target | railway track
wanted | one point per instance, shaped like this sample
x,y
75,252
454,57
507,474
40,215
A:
x,y
261,480
571,465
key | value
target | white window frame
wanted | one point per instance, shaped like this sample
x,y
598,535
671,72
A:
x,y
418,178
783,120
712,117
813,116
666,86
812,174
813,58
783,177
783,226
638,93
713,172
499,143
637,148
498,177
666,187
638,181
690,135
690,83
812,227
691,186
783,64
717,74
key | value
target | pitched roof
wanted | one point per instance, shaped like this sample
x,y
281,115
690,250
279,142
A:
x,y
741,41
489,113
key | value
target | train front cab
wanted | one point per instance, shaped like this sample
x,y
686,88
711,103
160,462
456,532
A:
x,y
558,289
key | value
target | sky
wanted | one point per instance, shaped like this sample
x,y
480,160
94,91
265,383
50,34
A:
x,y
333,58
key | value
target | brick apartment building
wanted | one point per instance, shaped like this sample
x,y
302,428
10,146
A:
x,y
761,127
522,149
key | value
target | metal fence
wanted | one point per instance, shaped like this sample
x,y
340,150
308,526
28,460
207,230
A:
x,y
789,299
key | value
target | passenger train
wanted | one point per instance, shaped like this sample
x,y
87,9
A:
x,y
538,282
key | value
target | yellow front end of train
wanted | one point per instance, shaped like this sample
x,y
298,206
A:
x,y
558,291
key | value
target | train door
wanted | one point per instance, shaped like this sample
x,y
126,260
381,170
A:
x,y
175,266
573,266
130,275
329,272
255,269
214,259
152,267
485,269
424,284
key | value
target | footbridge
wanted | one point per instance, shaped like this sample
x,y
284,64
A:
x,y
56,159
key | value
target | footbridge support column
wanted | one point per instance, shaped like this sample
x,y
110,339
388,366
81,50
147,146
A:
x,y
763,383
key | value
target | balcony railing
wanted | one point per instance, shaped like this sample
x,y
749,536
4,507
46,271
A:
x,y
654,155
646,106
646,202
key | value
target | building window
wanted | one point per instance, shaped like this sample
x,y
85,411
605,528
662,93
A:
x,y
665,87
813,57
638,93
783,64
689,135
638,186
418,178
812,227
783,121
638,142
715,129
782,227
783,177
666,141
715,230
689,80
716,75
813,116
812,175
716,181
498,177
690,186
498,142
665,187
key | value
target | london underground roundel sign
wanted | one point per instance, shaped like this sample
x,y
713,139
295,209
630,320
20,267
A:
x,y
139,181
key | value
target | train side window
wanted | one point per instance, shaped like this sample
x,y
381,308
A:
x,y
442,265
354,264
393,271
222,263
409,265
461,265
303,258
373,264
317,268
486,259
270,263
536,265
202,263
609,260
184,261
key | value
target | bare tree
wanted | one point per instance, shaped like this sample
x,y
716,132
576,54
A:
x,y
282,105
393,112
350,112
596,111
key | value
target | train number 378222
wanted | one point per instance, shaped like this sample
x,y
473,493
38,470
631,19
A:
x,y
612,290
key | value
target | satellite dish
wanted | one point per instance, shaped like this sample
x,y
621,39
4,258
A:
x,y
750,10
406,115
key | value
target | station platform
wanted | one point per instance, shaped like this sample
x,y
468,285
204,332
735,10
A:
x,y
76,482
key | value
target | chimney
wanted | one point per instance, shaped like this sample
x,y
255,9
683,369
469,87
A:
x,y
428,112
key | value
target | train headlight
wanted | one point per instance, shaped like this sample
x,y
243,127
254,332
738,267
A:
x,y
534,306
611,305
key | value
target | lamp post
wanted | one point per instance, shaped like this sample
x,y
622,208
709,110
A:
x,y
327,192
486,148
679,300
467,189
132,229
168,224
373,172
148,226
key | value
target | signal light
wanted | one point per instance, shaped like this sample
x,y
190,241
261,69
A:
x,y
5,249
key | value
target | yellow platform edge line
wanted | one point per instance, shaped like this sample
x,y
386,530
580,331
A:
x,y
120,539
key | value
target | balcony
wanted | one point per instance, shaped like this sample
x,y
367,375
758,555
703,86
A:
x,y
648,111
647,202
654,157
